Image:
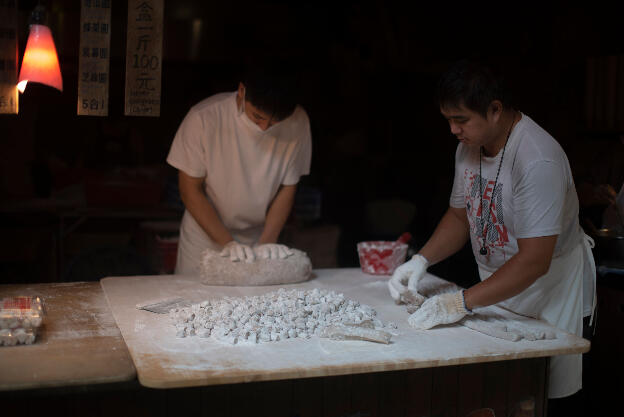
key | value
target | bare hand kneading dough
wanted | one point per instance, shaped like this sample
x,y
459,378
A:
x,y
288,266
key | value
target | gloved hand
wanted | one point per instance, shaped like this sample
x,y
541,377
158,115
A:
x,y
500,327
238,252
405,281
439,309
272,251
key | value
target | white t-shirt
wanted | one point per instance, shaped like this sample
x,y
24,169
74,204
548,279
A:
x,y
243,169
535,195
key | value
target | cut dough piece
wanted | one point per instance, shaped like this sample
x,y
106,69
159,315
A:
x,y
342,332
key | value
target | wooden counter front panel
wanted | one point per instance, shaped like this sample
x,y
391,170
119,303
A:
x,y
445,391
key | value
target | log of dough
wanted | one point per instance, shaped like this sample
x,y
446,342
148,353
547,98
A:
x,y
343,332
219,270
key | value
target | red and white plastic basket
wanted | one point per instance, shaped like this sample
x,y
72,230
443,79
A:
x,y
381,257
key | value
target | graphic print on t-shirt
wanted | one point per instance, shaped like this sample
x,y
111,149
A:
x,y
497,235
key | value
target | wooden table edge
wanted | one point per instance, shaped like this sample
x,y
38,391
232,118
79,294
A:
x,y
302,373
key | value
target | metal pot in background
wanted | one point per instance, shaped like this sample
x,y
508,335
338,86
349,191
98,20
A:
x,y
609,247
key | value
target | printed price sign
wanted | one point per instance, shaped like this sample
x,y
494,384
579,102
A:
x,y
8,57
144,57
94,60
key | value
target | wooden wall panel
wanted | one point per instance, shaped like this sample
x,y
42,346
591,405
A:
x,y
522,378
308,397
182,402
470,389
495,387
337,395
392,393
244,400
418,384
216,400
275,398
446,391
364,394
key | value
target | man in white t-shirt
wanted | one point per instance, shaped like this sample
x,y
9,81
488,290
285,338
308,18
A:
x,y
239,157
513,196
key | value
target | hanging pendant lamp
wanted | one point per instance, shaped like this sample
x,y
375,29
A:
x,y
40,63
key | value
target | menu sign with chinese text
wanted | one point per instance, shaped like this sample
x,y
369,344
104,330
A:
x,y
93,64
8,57
144,57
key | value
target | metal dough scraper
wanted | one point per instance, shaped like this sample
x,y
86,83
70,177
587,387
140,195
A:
x,y
163,306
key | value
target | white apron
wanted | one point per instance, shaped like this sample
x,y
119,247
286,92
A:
x,y
561,297
192,237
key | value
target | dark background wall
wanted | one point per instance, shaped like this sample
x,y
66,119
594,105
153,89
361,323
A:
x,y
369,71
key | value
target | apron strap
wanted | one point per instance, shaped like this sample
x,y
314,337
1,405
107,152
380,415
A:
x,y
589,244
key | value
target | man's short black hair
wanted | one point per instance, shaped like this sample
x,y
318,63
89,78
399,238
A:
x,y
472,85
271,86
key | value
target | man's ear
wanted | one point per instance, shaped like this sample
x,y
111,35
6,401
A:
x,y
241,90
495,110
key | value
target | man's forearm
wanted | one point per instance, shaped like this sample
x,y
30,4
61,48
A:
x,y
278,213
450,236
202,210
206,216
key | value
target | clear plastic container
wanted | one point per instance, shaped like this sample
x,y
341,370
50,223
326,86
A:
x,y
20,317
381,257
19,336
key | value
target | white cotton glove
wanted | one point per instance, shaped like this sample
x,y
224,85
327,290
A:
x,y
272,251
403,285
439,309
500,327
238,252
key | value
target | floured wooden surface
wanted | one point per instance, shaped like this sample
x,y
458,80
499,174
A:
x,y
163,360
78,343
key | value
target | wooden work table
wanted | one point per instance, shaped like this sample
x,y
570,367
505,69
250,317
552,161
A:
x,y
448,370
78,344
165,361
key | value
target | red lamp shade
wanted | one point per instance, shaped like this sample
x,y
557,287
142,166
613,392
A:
x,y
40,63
